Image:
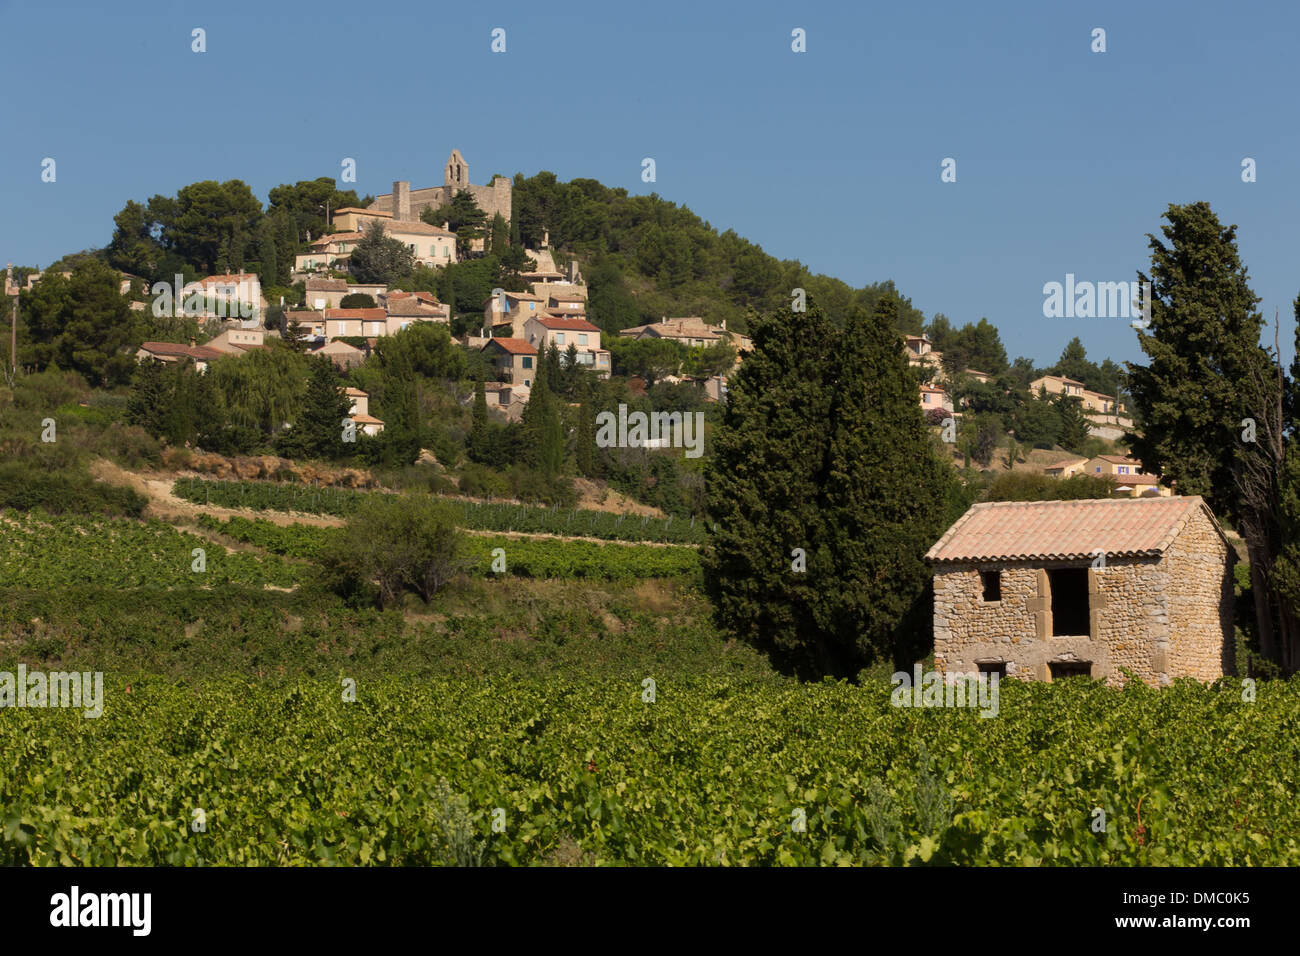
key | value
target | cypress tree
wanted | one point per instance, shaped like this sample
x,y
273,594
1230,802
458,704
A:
x,y
883,497
1202,345
149,397
541,421
585,436
318,432
824,450
1074,424
769,464
478,447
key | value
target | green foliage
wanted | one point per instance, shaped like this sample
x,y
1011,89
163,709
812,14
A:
x,y
706,775
479,516
318,430
81,324
56,552
824,450
356,300
1074,423
379,258
27,485
399,544
1202,349
1032,486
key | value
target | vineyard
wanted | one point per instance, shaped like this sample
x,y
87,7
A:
x,y
476,516
56,552
534,558
508,770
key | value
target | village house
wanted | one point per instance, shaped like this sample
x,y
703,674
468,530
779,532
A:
x,y
238,294
690,331
1041,590
360,412
505,314
514,359
546,330
325,293
932,397
1067,468
920,352
1130,480
507,399
328,252
172,353
406,308
344,356
238,341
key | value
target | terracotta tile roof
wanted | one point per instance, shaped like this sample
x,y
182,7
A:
x,y
1066,530
327,285
368,212
372,314
200,353
336,237
412,307
513,346
1120,460
363,419
567,323
355,391
245,277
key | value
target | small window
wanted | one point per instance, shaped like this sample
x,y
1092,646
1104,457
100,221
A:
x,y
559,338
528,361
1062,669
582,338
992,582
992,668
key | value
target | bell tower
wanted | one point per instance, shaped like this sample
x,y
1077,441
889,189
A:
x,y
455,175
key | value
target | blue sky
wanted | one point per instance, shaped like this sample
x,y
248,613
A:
x,y
1065,158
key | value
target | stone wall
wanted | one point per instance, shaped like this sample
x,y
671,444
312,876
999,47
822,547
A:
x,y
1134,623
1201,601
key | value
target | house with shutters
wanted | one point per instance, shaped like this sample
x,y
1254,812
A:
x,y
1040,590
546,330
514,359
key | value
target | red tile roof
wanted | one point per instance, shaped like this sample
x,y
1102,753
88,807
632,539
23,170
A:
x,y
1066,530
513,346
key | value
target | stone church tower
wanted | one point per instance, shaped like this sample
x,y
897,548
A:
x,y
495,197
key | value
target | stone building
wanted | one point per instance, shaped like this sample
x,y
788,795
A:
x,y
406,204
1045,589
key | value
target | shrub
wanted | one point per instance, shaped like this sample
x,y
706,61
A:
x,y
1028,486
397,544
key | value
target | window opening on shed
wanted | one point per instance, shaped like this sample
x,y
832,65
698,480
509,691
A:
x,y
992,668
1069,587
1062,669
992,582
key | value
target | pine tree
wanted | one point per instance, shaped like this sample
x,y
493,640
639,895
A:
x,y
500,234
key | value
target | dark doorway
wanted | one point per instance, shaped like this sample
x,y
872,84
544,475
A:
x,y
992,584
1062,669
992,668
1069,588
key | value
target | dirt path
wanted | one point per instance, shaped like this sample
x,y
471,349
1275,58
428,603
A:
x,y
168,507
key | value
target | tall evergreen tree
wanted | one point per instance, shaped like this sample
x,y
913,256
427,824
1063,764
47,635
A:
x,y
1074,423
770,463
1202,344
882,499
148,399
318,432
585,433
478,445
541,421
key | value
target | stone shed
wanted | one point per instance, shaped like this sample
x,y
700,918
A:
x,y
1046,589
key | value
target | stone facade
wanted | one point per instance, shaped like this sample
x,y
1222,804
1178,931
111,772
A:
x,y
493,198
1162,617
